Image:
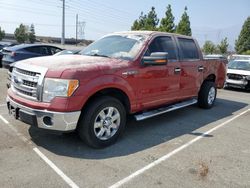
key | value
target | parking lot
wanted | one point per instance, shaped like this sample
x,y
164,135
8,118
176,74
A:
x,y
190,147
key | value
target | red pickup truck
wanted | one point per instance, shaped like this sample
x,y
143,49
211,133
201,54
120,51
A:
x,y
141,73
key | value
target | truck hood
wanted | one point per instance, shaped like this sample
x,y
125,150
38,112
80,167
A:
x,y
64,62
69,66
240,72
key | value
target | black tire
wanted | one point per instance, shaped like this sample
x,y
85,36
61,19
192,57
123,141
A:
x,y
204,101
86,125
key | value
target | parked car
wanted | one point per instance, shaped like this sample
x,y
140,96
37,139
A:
x,y
25,51
142,73
67,52
238,74
238,57
2,45
214,56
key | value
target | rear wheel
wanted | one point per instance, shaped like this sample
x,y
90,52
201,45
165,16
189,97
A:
x,y
102,122
207,95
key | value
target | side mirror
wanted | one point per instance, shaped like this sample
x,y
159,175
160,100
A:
x,y
156,58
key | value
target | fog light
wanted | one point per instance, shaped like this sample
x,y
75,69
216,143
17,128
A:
x,y
47,121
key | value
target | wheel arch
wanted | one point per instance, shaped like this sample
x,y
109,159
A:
x,y
113,92
210,78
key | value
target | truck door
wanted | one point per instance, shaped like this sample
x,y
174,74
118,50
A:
x,y
159,84
191,67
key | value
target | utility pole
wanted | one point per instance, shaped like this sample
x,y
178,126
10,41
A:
x,y
76,27
63,23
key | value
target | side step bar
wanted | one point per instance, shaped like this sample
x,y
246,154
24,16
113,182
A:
x,y
149,114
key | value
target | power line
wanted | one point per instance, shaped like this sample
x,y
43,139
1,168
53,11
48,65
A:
x,y
40,24
101,13
21,8
70,11
108,7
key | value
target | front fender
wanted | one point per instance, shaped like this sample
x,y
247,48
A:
x,y
90,87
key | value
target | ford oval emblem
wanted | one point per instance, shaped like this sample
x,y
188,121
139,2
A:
x,y
18,80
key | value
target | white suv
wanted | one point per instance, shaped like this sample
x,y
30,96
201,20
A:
x,y
238,74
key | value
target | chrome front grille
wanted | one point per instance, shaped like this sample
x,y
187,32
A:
x,y
235,76
25,72
25,83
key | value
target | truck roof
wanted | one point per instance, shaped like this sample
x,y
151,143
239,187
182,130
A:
x,y
150,33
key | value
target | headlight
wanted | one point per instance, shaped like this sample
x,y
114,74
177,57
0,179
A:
x,y
58,88
248,77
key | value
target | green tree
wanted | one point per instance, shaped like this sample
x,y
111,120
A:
x,y
184,25
223,46
242,44
146,21
2,34
151,20
167,23
21,33
209,47
32,35
140,23
246,52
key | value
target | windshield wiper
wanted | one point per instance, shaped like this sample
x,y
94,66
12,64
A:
x,y
99,55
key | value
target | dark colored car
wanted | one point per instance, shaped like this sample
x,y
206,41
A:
x,y
25,51
2,45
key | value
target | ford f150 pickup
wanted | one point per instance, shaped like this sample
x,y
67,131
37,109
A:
x,y
142,73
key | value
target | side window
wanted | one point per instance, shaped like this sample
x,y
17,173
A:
x,y
43,50
33,50
54,50
188,49
163,44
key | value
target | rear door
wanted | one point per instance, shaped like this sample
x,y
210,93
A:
x,y
191,67
160,84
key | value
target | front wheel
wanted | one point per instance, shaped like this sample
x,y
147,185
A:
x,y
102,122
207,95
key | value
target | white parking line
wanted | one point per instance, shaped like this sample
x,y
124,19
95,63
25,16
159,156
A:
x,y
41,155
56,169
177,150
4,120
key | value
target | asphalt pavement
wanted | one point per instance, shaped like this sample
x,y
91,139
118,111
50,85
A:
x,y
190,147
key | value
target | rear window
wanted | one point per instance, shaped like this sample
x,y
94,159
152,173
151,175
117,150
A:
x,y
188,49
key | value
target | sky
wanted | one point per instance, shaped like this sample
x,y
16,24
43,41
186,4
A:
x,y
210,20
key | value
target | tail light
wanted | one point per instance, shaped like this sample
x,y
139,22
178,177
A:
x,y
13,54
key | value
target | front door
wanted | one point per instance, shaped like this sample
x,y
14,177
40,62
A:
x,y
159,84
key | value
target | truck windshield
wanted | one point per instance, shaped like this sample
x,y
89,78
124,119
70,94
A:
x,y
239,65
116,46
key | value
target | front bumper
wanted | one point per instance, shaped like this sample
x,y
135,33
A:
x,y
242,84
57,121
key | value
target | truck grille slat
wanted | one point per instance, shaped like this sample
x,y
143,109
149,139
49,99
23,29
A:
x,y
235,76
25,88
25,83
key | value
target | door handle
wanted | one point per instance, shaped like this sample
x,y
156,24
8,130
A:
x,y
177,70
200,68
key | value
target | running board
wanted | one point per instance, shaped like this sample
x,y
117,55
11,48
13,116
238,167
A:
x,y
163,110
